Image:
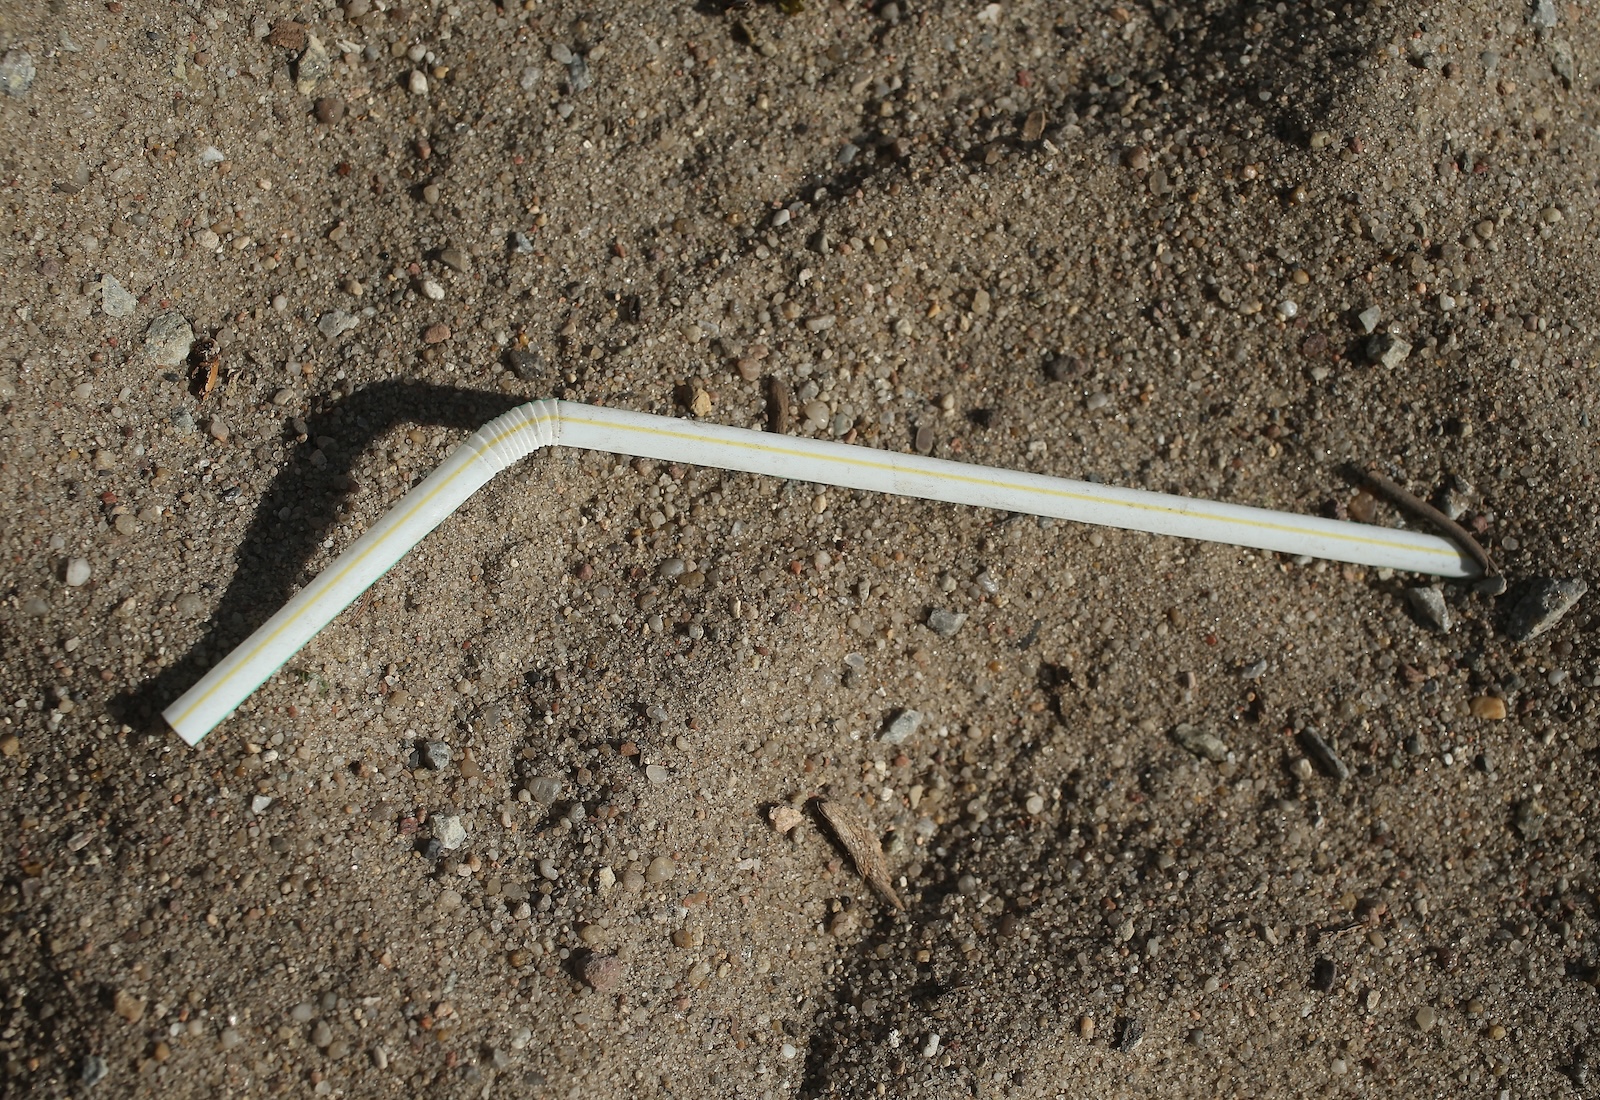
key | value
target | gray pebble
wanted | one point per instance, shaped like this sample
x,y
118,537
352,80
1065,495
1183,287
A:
x,y
455,259
1428,603
168,339
578,78
336,322
561,53
1131,1034
1388,349
903,726
449,831
1369,319
1544,14
77,572
661,870
1543,605
657,774
520,244
1490,586
1254,670
312,67
1323,755
183,420
16,77
1200,742
303,1012
94,1068
670,569
1529,819
545,789
115,299
436,755
946,623
322,1034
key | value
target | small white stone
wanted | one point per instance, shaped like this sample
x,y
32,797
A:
x,y
259,803
432,290
418,82
78,572
930,1049
449,832
1288,309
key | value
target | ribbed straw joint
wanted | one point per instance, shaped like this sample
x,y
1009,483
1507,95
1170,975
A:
x,y
517,434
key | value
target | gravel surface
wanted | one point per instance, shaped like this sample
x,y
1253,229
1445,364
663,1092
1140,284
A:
x,y
543,813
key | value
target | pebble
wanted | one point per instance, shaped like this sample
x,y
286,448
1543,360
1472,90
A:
x,y
455,259
16,77
336,322
115,299
1388,349
1200,742
436,755
94,1068
1490,586
303,1013
1034,805
1324,975
784,818
417,82
1544,14
603,973
656,774
545,789
321,1034
77,572
259,803
578,78
1491,708
1369,319
1426,1018
312,67
1130,1036
217,428
1288,309
431,290
1323,755
449,831
168,339
901,727
330,109
661,870
1543,605
1428,603
129,1007
436,334
946,623
1529,819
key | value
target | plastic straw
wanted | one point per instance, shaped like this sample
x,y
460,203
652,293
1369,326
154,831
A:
x,y
537,424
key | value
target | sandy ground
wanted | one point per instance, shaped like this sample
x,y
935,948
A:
x,y
1127,242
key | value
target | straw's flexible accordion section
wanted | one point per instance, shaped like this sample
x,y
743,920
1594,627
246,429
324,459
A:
x,y
538,424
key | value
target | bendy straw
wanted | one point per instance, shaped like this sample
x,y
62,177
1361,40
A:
x,y
537,424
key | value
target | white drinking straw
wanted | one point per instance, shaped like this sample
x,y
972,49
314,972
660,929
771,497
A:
x,y
537,424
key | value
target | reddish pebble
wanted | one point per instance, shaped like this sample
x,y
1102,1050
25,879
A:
x,y
436,334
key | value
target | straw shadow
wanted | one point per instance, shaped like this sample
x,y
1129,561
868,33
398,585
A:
x,y
270,563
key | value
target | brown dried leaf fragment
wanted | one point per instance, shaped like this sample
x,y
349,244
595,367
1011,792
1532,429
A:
x,y
861,842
